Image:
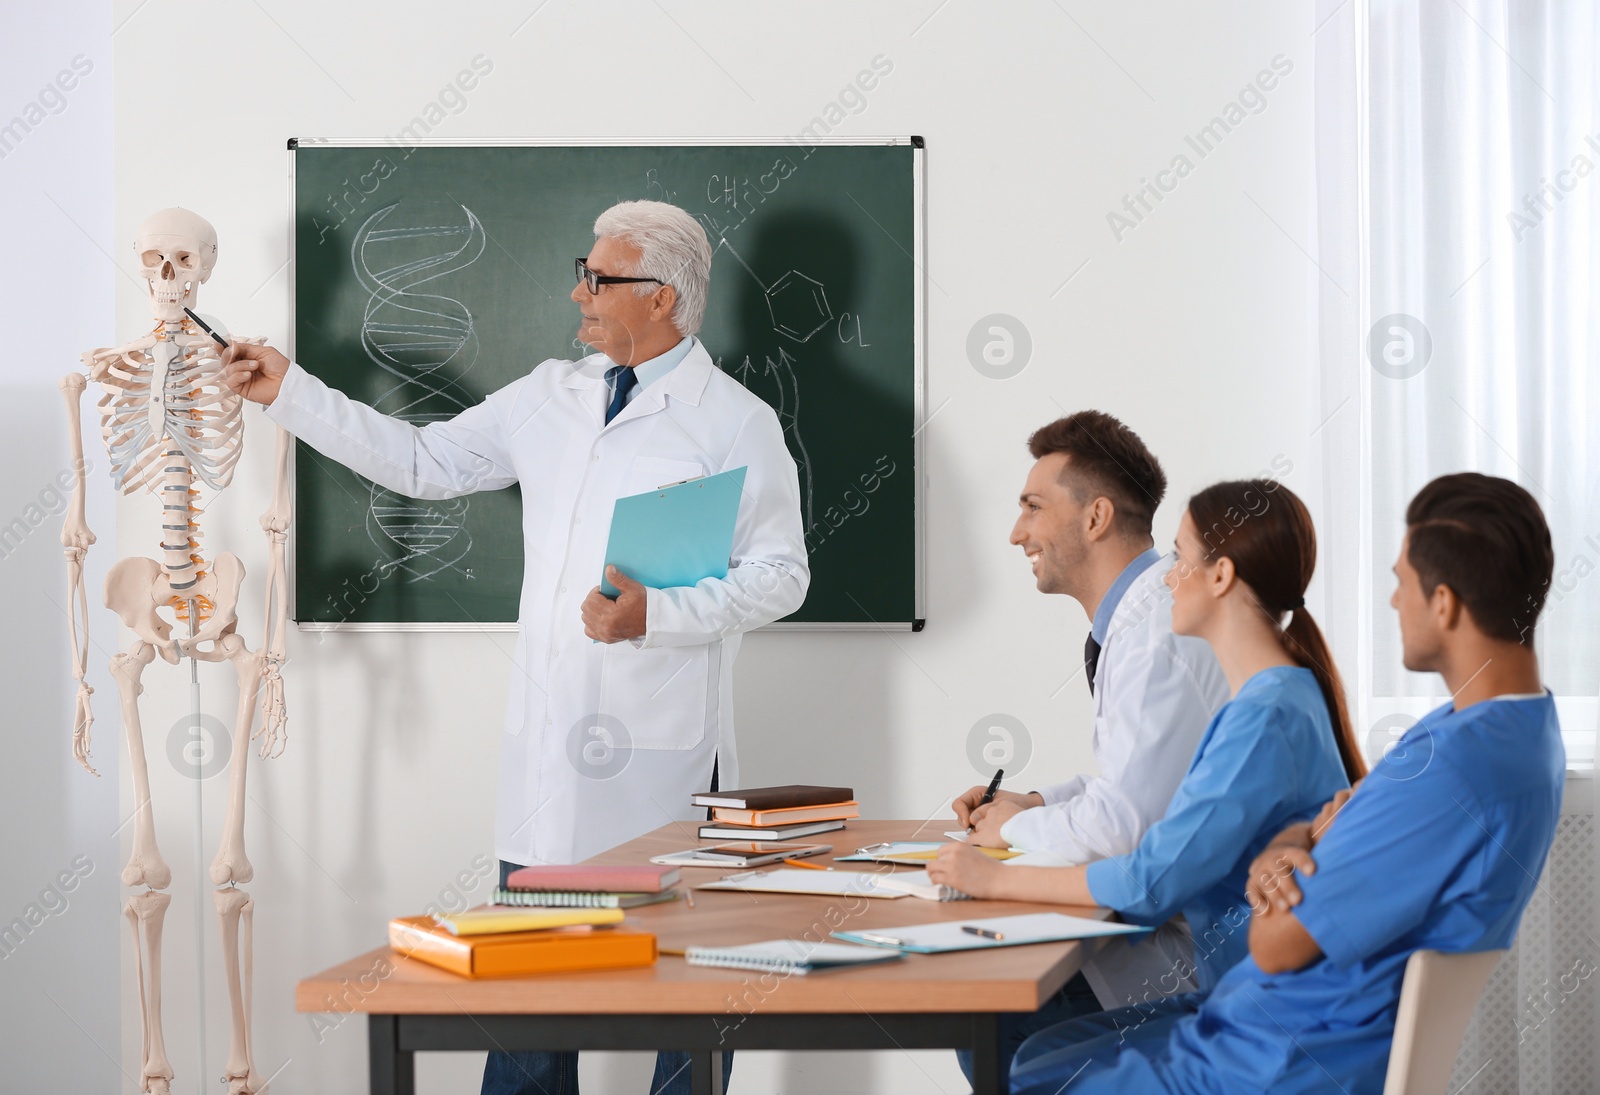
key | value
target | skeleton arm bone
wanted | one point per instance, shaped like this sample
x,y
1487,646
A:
x,y
75,540
275,523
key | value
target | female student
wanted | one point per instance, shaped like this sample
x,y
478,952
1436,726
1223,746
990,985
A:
x,y
1279,749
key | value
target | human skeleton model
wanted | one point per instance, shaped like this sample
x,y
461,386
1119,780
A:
x,y
170,420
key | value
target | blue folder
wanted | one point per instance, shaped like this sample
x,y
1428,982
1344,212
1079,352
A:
x,y
677,535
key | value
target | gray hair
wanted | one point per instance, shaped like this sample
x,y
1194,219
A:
x,y
673,249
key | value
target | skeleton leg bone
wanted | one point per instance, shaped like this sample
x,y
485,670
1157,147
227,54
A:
x,y
145,866
231,865
234,906
148,911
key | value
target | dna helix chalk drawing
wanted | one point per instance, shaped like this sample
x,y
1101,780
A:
x,y
426,341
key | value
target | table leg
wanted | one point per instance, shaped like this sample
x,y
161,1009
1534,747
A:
x,y
987,1079
390,1070
705,1072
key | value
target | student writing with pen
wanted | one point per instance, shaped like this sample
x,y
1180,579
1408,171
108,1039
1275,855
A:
x,y
988,794
1084,524
1279,749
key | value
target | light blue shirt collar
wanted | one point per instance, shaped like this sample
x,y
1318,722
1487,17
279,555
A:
x,y
648,372
1113,597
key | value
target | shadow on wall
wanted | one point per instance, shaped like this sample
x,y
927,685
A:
x,y
794,280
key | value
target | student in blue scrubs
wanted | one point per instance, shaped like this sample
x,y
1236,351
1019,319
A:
x,y
1278,750
1439,848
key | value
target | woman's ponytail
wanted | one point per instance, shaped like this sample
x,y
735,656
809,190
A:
x,y
1266,530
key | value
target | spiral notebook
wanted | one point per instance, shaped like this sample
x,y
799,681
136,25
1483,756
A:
x,y
788,956
580,899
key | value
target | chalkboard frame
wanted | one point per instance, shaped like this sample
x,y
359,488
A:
x,y
919,354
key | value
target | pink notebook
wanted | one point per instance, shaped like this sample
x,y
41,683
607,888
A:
x,y
648,878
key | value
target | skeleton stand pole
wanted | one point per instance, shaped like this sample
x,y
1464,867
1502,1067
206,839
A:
x,y
198,759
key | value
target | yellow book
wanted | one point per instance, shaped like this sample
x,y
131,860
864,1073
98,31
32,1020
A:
x,y
484,921
506,954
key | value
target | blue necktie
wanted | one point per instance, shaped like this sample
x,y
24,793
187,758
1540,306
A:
x,y
622,380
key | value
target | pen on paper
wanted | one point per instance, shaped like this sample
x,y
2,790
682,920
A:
x,y
983,932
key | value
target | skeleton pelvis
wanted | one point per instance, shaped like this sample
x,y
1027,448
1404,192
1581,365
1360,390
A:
x,y
138,588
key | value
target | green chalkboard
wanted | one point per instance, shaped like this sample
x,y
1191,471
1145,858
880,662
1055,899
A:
x,y
426,277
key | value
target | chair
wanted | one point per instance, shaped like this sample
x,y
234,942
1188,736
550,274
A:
x,y
1437,998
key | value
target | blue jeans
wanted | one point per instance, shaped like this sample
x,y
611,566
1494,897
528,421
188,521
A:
x,y
1076,999
544,1073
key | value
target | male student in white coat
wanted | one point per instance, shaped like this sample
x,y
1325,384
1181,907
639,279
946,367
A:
x,y
647,409
1085,524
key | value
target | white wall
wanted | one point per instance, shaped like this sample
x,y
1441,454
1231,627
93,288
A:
x,y
58,937
1195,327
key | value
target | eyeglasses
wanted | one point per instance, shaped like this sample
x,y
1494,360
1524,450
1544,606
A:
x,y
580,268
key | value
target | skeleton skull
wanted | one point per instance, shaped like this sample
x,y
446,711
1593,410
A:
x,y
176,250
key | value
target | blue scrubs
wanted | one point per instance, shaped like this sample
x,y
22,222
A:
x,y
1267,760
1440,849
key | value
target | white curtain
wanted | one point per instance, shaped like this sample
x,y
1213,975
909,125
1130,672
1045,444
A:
x,y
1484,176
1458,170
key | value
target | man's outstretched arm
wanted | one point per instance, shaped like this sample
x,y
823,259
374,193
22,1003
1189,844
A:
x,y
441,460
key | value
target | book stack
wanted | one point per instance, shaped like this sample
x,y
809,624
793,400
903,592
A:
x,y
495,942
588,887
776,813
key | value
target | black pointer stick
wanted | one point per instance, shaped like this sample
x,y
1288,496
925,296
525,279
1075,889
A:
x,y
207,328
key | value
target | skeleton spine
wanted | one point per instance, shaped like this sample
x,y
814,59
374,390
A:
x,y
180,526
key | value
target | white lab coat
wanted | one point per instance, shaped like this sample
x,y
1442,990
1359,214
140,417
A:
x,y
571,782
1154,694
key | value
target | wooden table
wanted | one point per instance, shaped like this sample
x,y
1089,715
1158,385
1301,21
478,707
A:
x,y
919,1002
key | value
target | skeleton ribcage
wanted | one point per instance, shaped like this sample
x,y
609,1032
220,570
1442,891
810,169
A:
x,y
199,415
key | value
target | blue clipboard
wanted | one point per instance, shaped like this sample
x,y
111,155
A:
x,y
677,535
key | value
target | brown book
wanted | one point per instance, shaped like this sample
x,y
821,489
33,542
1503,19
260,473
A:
x,y
774,798
507,954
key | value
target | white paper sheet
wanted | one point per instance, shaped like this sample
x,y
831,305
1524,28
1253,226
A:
x,y
1017,930
797,880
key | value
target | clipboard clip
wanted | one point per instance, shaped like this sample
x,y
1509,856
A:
x,y
873,849
739,876
679,483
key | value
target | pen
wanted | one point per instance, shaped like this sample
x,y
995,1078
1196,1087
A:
x,y
984,932
206,327
988,795
807,866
